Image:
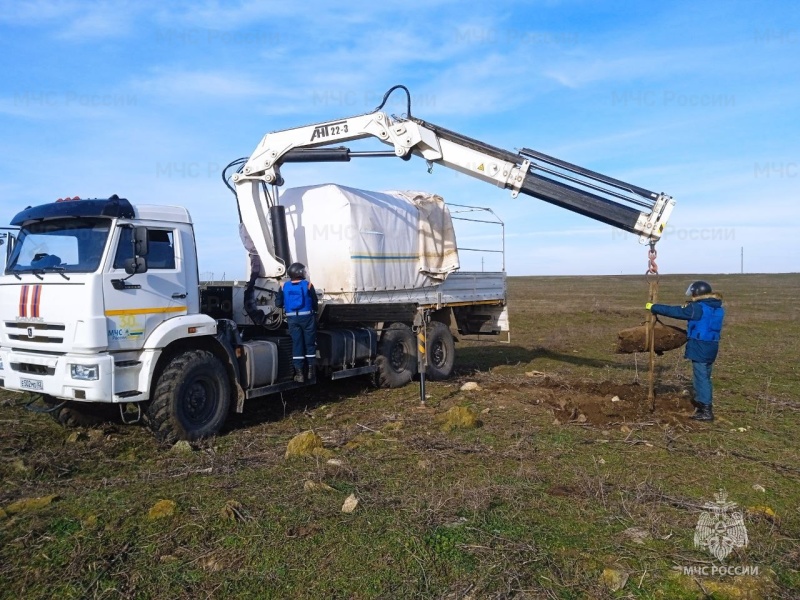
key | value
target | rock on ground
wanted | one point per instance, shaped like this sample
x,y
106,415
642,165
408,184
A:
x,y
29,504
614,579
306,443
350,504
161,509
460,417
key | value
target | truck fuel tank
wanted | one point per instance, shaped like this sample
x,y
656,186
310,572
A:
x,y
345,348
259,363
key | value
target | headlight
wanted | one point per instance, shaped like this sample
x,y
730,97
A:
x,y
85,372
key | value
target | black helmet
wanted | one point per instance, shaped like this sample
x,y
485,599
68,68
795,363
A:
x,y
698,288
296,271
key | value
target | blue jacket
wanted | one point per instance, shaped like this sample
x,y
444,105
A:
x,y
309,295
704,315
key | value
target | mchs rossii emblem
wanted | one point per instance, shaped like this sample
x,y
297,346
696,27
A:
x,y
720,527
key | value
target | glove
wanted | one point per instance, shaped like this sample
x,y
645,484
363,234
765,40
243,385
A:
x,y
648,306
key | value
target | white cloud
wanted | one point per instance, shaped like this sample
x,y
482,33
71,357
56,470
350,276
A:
x,y
73,21
176,85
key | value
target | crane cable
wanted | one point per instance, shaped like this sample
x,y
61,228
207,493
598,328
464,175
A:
x,y
650,338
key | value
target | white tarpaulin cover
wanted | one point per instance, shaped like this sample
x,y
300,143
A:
x,y
356,240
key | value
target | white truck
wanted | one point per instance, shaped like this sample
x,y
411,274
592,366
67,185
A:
x,y
102,309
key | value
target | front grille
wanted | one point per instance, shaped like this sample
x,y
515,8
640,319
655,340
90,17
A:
x,y
32,332
24,326
36,338
32,369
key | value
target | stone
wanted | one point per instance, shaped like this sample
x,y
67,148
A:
x,y
30,504
614,579
470,386
161,509
636,534
763,511
460,417
316,486
535,374
738,587
350,504
306,443
181,447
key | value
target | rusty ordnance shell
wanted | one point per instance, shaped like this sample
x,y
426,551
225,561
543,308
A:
x,y
634,339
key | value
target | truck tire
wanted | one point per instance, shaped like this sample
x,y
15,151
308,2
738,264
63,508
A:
x,y
82,414
397,356
192,398
441,351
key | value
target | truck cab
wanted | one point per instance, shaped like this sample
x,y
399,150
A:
x,y
76,325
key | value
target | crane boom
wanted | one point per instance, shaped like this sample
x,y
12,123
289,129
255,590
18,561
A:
x,y
617,203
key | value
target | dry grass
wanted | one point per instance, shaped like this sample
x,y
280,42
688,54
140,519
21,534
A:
x,y
520,507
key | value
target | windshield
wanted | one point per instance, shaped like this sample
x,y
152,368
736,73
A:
x,y
73,245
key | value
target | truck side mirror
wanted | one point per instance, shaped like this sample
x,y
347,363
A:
x,y
135,265
8,239
140,245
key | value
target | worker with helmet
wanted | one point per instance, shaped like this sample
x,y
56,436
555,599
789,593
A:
x,y
704,314
299,300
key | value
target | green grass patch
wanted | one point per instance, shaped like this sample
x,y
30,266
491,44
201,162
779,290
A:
x,y
519,507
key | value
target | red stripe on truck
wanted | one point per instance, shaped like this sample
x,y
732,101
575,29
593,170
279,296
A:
x,y
23,301
37,294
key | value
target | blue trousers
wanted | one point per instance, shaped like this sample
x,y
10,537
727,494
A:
x,y
701,373
303,330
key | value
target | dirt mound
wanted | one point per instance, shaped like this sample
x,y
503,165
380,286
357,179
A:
x,y
608,403
603,403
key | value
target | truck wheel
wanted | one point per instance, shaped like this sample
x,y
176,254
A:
x,y
80,414
397,356
191,399
441,351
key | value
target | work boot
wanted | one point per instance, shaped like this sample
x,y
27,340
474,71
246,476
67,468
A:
x,y
312,373
704,413
298,376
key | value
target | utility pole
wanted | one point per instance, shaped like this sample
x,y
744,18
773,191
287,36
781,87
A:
x,y
741,260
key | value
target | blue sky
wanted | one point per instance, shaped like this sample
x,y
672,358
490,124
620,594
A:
x,y
150,100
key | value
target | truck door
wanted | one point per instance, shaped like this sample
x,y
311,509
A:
x,y
148,299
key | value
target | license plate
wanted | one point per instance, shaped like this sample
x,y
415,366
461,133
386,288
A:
x,y
31,384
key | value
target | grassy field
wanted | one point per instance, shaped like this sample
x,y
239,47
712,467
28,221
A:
x,y
559,493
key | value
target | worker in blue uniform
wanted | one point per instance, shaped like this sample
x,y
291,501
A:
x,y
704,314
299,300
